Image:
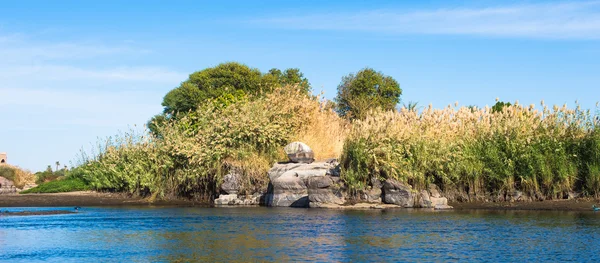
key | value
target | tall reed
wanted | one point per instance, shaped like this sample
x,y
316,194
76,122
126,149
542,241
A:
x,y
547,152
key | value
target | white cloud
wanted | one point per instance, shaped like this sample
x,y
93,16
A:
x,y
43,84
559,20
55,72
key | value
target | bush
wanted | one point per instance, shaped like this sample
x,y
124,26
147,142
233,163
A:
x,y
70,184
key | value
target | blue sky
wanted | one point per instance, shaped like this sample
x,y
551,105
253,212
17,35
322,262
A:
x,y
72,72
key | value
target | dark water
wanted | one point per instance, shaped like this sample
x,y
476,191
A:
x,y
139,234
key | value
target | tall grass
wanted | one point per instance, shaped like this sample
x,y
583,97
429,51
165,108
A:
x,y
480,152
195,151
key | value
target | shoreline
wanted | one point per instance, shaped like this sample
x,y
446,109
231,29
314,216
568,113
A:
x,y
90,198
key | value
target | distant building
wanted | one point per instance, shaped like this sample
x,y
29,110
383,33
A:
x,y
3,159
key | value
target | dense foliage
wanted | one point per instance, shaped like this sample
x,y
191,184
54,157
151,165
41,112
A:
x,y
229,79
546,153
366,90
195,151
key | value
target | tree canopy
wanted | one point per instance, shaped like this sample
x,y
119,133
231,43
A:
x,y
226,80
365,90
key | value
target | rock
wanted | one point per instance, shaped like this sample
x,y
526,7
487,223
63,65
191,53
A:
x,y
321,189
513,196
443,207
232,181
438,201
397,193
424,200
226,199
234,199
434,191
372,195
288,190
297,184
299,152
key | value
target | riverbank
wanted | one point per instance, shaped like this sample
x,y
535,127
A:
x,y
584,204
90,198
83,198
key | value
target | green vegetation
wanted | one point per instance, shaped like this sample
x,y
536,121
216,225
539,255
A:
x,y
232,116
195,151
367,90
228,79
49,175
478,152
68,184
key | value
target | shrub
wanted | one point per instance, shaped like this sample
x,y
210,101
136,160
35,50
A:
x,y
70,184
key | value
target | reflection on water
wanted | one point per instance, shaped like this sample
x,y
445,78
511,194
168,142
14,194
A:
x,y
143,234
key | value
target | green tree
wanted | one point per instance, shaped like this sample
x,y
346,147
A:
x,y
291,76
365,90
499,106
210,83
226,82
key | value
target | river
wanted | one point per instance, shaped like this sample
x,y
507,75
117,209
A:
x,y
176,234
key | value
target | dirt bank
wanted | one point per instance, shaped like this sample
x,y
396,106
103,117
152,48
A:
x,y
35,213
82,199
560,205
116,199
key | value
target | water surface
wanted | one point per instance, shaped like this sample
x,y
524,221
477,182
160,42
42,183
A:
x,y
155,234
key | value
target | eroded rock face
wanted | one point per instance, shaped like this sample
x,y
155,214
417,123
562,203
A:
x,y
232,182
297,184
324,190
299,152
7,186
397,193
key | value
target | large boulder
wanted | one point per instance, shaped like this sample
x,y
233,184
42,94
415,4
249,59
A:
x,y
292,183
397,193
299,152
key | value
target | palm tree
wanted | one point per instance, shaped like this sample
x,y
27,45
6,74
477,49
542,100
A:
x,y
57,165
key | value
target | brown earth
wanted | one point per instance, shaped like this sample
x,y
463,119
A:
x,y
87,198
558,205
35,213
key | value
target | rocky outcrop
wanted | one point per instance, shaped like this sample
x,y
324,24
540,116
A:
x,y
7,186
299,152
324,190
397,193
373,192
298,184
